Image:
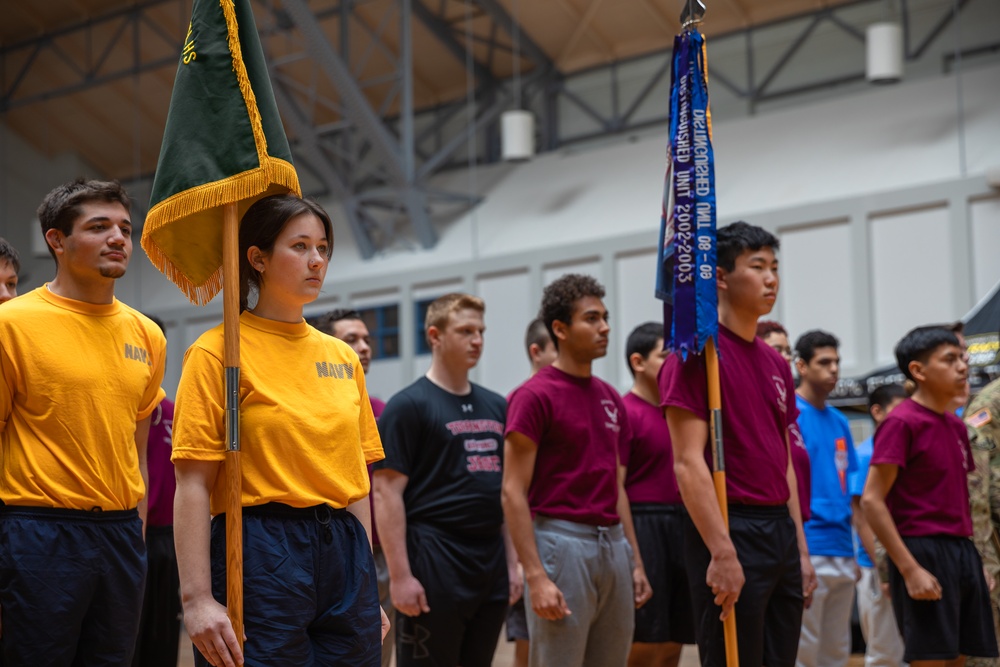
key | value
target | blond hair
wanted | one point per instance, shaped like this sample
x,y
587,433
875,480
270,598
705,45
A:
x,y
443,306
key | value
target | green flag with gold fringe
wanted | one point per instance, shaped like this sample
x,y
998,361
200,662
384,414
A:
x,y
223,144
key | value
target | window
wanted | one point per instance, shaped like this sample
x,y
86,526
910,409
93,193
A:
x,y
383,325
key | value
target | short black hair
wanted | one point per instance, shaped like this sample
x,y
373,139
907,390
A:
x,y
536,334
642,340
736,238
8,253
560,296
61,207
919,344
810,341
884,395
326,321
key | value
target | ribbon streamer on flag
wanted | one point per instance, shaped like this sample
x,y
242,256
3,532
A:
x,y
685,279
224,147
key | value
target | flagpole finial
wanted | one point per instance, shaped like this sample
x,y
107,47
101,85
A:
x,y
692,14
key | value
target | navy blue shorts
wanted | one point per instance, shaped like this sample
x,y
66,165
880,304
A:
x,y
960,623
667,616
769,611
310,592
71,586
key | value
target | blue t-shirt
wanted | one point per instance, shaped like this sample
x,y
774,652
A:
x,y
831,455
856,486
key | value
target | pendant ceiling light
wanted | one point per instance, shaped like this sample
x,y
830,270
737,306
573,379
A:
x,y
517,125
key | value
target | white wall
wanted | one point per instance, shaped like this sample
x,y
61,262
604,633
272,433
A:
x,y
985,215
882,227
913,278
819,297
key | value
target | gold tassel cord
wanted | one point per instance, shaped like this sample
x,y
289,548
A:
x,y
239,67
243,188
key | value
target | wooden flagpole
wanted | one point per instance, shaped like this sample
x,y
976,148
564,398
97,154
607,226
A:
x,y
719,478
231,361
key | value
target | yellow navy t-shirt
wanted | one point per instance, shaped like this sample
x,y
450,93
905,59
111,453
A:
x,y
306,425
75,378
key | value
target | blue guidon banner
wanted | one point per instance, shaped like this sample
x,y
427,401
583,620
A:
x,y
685,277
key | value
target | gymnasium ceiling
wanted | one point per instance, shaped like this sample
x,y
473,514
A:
x,y
94,76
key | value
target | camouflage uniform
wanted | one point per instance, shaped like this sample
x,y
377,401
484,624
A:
x,y
982,418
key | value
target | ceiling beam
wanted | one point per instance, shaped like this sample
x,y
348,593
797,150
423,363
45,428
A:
x,y
444,34
356,106
496,12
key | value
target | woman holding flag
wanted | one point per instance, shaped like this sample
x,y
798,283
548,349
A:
x,y
308,432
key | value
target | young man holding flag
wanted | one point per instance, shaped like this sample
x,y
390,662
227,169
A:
x,y
759,569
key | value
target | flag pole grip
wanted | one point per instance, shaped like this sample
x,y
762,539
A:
x,y
231,361
719,477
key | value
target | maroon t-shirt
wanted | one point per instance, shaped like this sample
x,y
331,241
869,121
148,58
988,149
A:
x,y
650,458
803,470
931,494
758,406
162,484
378,406
580,427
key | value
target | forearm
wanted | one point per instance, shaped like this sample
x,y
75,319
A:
x,y
795,509
877,514
192,539
625,515
143,506
142,449
509,550
698,492
390,513
517,517
362,509
865,534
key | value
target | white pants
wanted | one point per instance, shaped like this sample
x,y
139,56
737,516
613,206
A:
x,y
878,623
825,640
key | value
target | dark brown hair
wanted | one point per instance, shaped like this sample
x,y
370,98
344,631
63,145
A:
x,y
261,226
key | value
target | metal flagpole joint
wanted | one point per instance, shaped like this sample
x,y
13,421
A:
x,y
233,409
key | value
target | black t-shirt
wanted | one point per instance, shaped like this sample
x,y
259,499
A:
x,y
451,448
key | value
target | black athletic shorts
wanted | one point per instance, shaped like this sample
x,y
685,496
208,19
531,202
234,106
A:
x,y
769,611
961,622
160,625
667,616
465,580
517,622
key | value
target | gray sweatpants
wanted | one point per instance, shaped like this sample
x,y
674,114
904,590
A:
x,y
592,566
